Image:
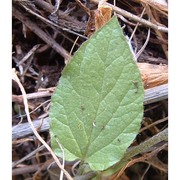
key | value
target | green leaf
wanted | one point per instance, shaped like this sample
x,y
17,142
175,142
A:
x,y
97,107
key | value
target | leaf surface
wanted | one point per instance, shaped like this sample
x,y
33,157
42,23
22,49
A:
x,y
97,107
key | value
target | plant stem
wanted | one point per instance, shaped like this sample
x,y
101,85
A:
x,y
161,136
143,147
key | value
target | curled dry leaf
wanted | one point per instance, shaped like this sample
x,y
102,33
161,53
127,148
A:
x,y
98,18
102,16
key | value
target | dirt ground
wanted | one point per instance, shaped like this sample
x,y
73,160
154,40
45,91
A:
x,y
44,35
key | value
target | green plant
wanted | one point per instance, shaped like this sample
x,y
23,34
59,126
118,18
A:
x,y
97,107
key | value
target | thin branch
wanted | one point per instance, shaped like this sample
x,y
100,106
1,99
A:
x,y
144,45
137,24
30,53
36,167
14,164
156,94
83,7
63,159
57,5
45,93
153,124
